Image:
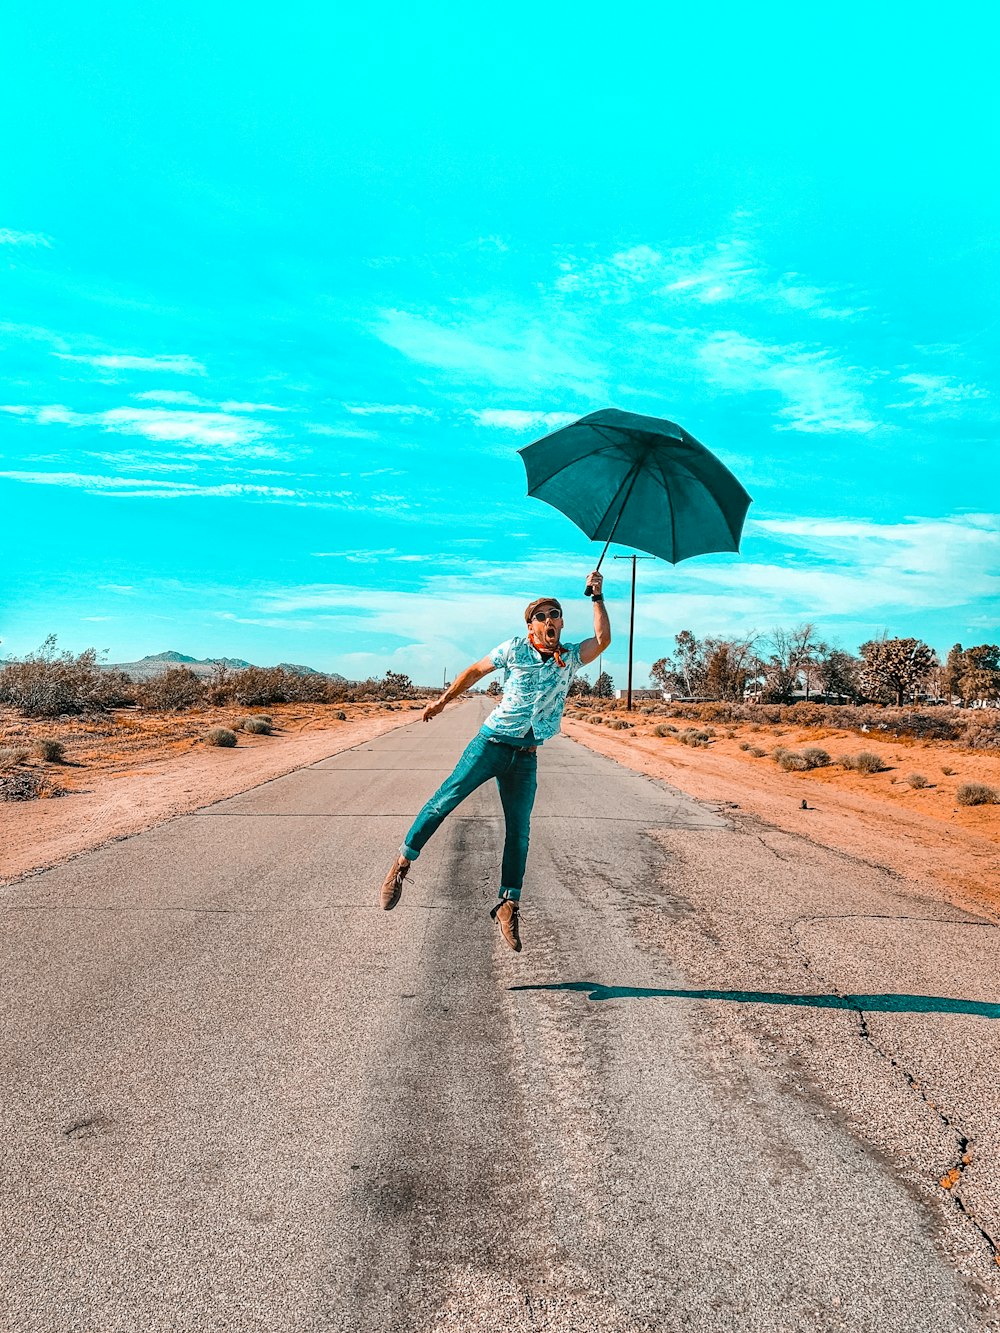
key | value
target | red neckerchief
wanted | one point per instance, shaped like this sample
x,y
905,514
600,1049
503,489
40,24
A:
x,y
556,652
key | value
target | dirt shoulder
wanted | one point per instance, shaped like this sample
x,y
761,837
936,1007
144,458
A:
x,y
126,771
919,832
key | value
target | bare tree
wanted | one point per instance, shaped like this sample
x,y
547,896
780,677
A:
x,y
790,653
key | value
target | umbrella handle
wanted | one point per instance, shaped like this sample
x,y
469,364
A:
x,y
632,479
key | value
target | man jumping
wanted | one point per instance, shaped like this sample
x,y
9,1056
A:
x,y
538,671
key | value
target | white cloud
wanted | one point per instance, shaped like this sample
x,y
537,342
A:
x,y
818,392
710,273
215,429
172,365
516,419
508,349
33,239
938,391
389,409
147,487
176,397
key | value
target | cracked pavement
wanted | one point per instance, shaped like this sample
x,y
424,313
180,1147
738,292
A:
x,y
734,1081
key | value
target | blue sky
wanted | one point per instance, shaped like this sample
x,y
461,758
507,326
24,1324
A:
x,y
282,292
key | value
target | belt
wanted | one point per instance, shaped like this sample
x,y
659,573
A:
x,y
521,749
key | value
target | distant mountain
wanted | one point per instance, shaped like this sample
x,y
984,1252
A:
x,y
156,663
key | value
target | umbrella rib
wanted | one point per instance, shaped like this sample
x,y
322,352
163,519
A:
x,y
572,463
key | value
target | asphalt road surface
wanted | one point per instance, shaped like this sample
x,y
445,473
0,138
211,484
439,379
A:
x,y
717,1090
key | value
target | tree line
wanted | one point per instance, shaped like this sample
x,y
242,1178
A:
x,y
792,662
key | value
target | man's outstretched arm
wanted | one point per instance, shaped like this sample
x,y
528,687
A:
x,y
465,681
591,649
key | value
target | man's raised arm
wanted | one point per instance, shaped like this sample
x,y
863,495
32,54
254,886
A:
x,y
591,649
469,677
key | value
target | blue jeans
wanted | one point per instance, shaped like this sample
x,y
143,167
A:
x,y
515,772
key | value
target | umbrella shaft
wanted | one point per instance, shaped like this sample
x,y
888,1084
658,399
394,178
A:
x,y
614,527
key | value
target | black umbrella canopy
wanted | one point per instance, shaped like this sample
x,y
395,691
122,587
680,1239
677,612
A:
x,y
642,480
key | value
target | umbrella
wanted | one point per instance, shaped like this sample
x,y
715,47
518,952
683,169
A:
x,y
641,480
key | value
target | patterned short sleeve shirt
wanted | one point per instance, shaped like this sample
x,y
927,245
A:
x,y
534,689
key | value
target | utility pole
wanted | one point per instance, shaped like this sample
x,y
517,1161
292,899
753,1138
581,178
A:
x,y
631,622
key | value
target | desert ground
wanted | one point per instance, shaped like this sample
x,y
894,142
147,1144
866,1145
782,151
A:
x,y
130,769
883,817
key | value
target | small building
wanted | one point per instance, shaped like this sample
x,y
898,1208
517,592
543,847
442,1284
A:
x,y
641,694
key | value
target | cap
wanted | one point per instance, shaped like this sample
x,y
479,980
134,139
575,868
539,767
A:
x,y
532,607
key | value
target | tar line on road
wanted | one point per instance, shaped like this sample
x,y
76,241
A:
x,y
236,1095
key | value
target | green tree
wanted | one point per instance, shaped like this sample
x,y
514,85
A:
x,y
604,687
894,669
581,685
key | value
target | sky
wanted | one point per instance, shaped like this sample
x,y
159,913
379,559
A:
x,y
283,290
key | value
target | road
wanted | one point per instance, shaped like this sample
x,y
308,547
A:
x,y
236,1095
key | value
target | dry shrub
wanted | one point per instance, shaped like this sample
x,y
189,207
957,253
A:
x,y
255,726
790,761
815,756
917,780
757,752
12,755
177,687
619,724
341,716
596,718
744,745
221,736
664,729
948,772
48,684
27,784
864,762
50,751
977,793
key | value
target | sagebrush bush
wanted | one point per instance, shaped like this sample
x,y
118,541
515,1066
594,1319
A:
x,y
864,762
255,726
744,745
619,724
340,715
220,736
12,755
977,793
757,752
790,761
815,756
664,729
50,751
948,772
47,683
596,718
177,687
917,780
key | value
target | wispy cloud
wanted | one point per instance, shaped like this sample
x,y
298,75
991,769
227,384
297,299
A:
x,y
147,487
728,269
389,409
510,418
170,365
509,349
938,391
32,239
219,429
818,393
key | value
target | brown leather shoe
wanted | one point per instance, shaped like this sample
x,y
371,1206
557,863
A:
x,y
392,885
505,915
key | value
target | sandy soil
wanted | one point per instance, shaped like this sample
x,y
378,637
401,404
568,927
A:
x,y
127,771
880,818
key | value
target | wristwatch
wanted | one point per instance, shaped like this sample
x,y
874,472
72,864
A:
x,y
597,597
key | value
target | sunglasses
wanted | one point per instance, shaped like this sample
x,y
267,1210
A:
x,y
547,615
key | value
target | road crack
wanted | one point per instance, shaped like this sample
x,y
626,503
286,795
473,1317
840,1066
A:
x,y
952,1179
